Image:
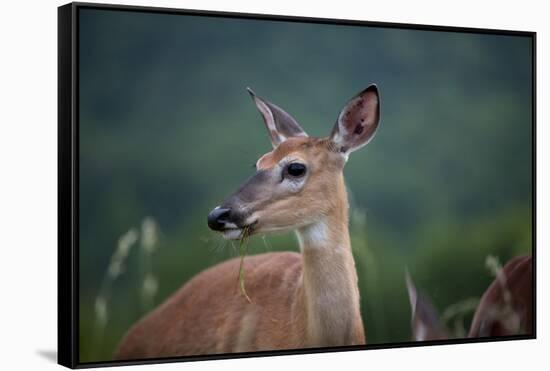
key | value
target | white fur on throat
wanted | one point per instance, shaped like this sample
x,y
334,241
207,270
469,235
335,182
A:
x,y
313,235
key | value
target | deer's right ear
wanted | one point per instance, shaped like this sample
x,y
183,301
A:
x,y
357,122
425,322
280,125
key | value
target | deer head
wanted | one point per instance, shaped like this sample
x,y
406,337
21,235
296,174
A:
x,y
300,181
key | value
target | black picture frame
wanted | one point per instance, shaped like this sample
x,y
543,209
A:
x,y
68,179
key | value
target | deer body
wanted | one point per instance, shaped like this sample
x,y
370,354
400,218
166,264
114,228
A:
x,y
310,299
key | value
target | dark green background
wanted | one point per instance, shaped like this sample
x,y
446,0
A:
x,y
167,130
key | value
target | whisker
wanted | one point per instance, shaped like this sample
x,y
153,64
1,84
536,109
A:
x,y
234,247
219,247
266,244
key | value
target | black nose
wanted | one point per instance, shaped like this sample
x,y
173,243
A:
x,y
217,218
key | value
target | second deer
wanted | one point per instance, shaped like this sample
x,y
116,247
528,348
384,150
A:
x,y
505,308
298,300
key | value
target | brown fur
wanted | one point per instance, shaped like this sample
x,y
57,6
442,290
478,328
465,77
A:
x,y
209,313
298,300
506,307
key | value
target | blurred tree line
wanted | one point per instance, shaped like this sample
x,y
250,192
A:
x,y
167,130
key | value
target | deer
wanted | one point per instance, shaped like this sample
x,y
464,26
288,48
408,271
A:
x,y
505,307
305,299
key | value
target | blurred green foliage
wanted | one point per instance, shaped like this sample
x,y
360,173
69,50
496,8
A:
x,y
167,131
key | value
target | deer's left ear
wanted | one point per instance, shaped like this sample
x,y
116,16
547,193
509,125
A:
x,y
279,124
358,121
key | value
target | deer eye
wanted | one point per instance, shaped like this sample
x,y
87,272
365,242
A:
x,y
296,169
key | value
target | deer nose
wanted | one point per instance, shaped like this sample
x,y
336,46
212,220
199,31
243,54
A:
x,y
218,218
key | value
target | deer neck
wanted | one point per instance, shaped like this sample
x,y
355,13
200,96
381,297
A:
x,y
330,294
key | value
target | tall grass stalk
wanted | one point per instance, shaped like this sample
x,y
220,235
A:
x,y
456,313
149,245
243,246
115,269
505,314
148,242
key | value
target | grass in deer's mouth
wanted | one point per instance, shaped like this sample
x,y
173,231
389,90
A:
x,y
243,245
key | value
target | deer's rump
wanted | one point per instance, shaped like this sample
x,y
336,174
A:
x,y
209,314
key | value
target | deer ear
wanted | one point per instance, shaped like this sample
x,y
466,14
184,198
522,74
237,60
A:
x,y
280,125
425,322
358,121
